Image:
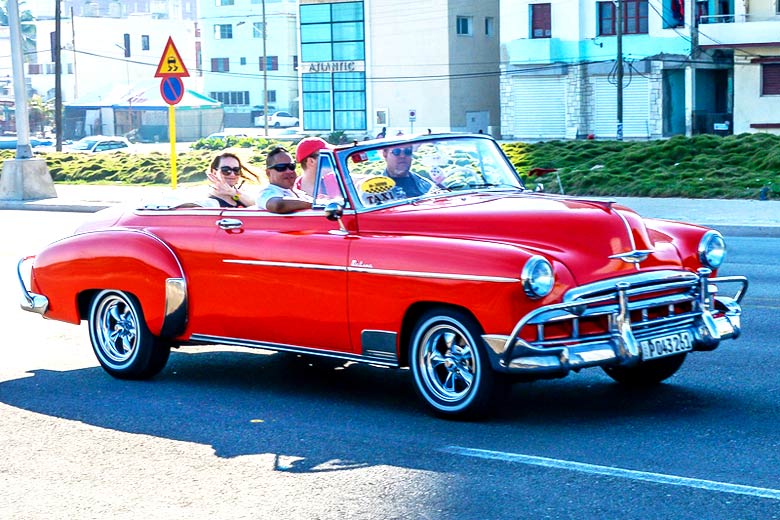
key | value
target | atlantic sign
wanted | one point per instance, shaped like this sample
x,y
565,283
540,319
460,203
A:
x,y
332,66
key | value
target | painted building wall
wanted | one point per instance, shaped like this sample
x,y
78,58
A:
x,y
244,51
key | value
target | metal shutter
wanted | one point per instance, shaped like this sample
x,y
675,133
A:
x,y
636,107
539,107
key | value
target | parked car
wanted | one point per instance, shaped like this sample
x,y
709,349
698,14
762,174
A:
x,y
475,284
225,134
100,143
278,119
10,142
292,134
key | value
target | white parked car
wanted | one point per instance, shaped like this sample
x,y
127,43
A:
x,y
101,143
279,119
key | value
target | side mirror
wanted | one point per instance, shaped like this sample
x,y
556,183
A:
x,y
334,211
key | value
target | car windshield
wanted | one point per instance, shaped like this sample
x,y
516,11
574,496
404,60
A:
x,y
409,170
84,144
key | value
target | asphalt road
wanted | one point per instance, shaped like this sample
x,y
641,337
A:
x,y
240,434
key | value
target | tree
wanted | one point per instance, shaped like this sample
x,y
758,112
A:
x,y
41,113
27,29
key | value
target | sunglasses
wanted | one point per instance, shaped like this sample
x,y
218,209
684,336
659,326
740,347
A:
x,y
227,170
397,151
281,167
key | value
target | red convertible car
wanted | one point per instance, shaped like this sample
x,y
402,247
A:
x,y
423,252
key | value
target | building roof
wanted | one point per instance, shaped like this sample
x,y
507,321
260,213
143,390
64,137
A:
x,y
144,95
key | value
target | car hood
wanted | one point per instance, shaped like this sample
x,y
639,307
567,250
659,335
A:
x,y
588,236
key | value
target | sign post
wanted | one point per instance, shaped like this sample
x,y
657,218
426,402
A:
x,y
171,69
412,119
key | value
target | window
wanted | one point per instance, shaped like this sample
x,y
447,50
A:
x,y
235,98
272,63
770,79
242,60
464,25
223,31
490,26
634,17
257,30
225,2
332,32
272,96
144,42
674,13
220,65
541,21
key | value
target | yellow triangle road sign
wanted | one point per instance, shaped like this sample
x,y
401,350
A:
x,y
171,63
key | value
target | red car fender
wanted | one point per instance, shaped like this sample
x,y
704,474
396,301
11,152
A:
x,y
128,260
684,237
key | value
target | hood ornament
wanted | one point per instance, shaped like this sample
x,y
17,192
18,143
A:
x,y
634,257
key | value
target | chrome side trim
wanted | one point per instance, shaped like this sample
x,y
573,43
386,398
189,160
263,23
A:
x,y
31,302
294,265
444,276
175,307
238,342
367,270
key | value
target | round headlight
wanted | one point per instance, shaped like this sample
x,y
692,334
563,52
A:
x,y
537,277
712,249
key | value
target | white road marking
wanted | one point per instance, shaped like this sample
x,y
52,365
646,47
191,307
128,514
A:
x,y
660,478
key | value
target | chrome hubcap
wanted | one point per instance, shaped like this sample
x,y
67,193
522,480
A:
x,y
117,329
447,362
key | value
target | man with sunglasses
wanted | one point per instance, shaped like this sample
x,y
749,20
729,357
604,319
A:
x,y
398,162
279,196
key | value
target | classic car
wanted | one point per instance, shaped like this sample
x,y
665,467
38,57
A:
x,y
473,284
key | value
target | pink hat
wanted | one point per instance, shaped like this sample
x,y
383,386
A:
x,y
308,146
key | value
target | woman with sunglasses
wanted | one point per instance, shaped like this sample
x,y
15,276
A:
x,y
226,176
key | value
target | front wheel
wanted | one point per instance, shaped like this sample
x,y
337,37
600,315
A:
x,y
120,338
647,373
452,372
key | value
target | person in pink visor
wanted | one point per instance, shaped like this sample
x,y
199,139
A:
x,y
307,154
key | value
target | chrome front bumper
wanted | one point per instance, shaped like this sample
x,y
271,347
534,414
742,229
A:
x,y
31,302
712,319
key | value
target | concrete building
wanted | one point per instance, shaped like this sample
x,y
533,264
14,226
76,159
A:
x,y
558,72
235,71
751,31
407,66
100,54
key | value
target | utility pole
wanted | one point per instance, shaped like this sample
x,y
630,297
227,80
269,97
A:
x,y
24,177
21,113
619,31
265,74
58,74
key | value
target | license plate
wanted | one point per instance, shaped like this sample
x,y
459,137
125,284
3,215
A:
x,y
667,345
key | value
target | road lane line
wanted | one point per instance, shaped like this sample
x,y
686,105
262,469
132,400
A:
x,y
709,485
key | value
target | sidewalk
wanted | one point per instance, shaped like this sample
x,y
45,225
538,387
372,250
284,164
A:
x,y
731,217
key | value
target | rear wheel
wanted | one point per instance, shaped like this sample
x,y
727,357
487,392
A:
x,y
646,373
452,372
120,338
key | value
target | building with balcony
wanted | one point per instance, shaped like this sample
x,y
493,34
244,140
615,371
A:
x,y
559,71
409,67
246,55
751,31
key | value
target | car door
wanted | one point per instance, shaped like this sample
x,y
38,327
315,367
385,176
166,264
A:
x,y
282,279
